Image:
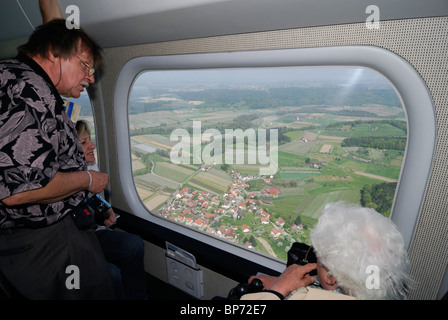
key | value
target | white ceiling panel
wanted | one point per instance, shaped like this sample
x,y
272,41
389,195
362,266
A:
x,y
118,22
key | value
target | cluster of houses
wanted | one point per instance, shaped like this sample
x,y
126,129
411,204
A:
x,y
203,210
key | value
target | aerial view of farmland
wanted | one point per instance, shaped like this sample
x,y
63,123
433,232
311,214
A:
x,y
199,140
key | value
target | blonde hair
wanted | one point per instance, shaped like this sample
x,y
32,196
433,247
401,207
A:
x,y
83,128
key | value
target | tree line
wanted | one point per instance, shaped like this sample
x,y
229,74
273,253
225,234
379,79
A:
x,y
390,143
295,96
379,196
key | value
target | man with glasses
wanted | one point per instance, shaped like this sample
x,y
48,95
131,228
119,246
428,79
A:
x,y
43,173
90,70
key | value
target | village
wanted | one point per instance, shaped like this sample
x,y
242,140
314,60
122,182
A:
x,y
223,215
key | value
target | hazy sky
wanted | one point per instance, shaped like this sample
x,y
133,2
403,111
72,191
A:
x,y
226,77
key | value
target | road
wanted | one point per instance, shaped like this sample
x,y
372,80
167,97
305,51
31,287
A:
x,y
375,176
267,246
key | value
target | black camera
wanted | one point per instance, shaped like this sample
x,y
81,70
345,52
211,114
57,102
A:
x,y
301,254
244,288
99,207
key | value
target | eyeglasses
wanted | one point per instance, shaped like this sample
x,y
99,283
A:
x,y
91,70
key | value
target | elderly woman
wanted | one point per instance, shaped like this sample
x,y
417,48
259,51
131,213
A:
x,y
360,254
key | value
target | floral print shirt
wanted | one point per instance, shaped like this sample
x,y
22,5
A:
x,y
37,139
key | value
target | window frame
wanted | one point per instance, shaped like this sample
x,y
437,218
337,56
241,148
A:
x,y
410,87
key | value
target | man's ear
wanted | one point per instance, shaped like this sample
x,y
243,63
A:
x,y
329,281
50,56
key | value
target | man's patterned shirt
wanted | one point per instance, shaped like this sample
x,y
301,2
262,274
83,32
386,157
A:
x,y
37,139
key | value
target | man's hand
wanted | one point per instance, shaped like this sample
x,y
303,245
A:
x,y
293,277
99,181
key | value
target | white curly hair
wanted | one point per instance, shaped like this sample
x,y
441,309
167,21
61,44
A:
x,y
348,239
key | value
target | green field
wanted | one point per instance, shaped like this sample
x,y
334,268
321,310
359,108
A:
x,y
308,178
172,172
211,182
366,130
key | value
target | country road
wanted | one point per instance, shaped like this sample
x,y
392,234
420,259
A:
x,y
267,246
375,176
